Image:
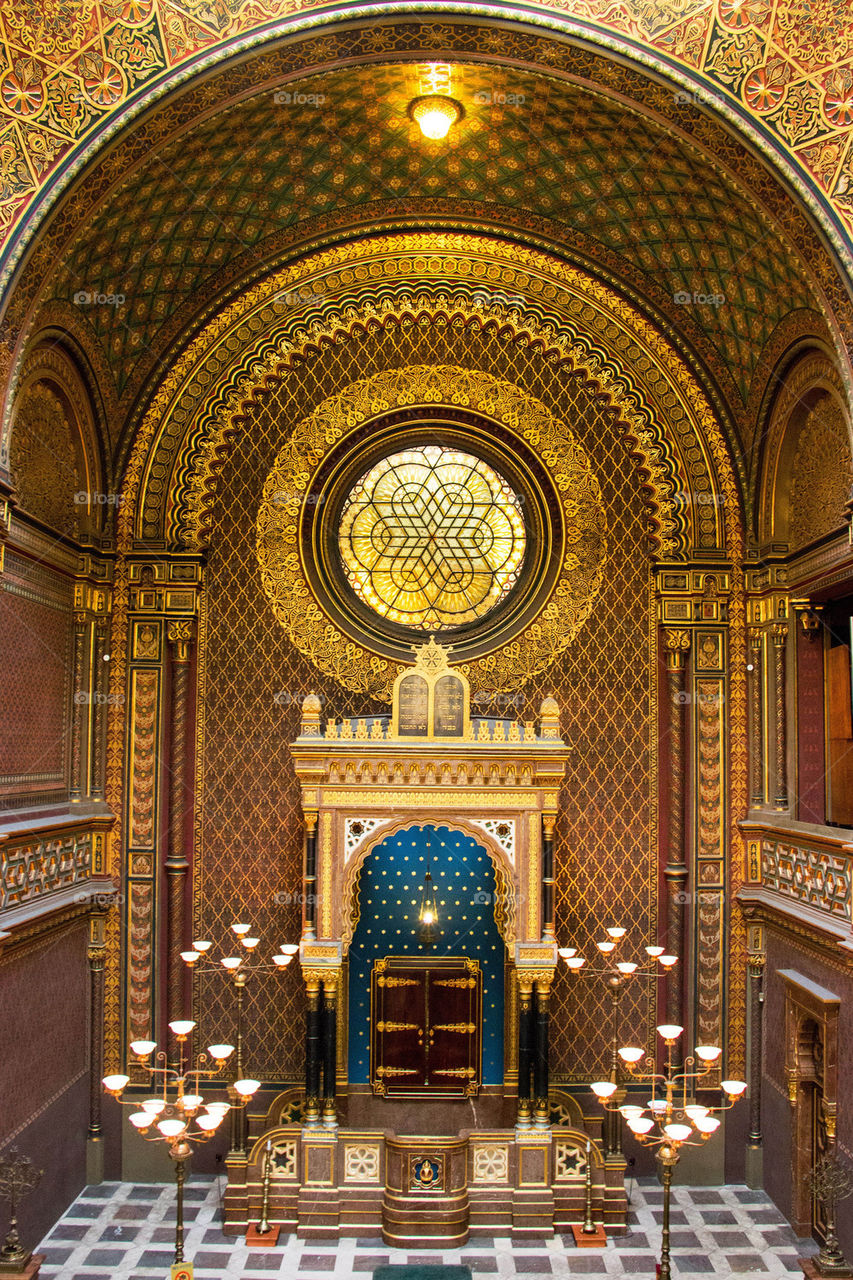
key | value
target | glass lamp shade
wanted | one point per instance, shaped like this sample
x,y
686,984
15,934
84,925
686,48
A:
x,y
190,957
576,962
669,1031
289,948
695,1112
171,1128
654,951
250,943
640,1124
603,1088
232,962
192,1101
181,1028
246,1088
566,953
115,1084
142,1048
668,961
629,1112
626,966
219,1052
141,1120
707,1052
678,1132
631,1054
734,1088
657,1106
282,961
707,1125
434,115
218,1108
616,933
240,929
202,946
153,1106
606,947
209,1122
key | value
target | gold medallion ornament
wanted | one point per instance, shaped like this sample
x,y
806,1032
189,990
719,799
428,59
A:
x,y
431,536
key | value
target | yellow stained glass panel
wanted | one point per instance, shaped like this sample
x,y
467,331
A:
x,y
432,538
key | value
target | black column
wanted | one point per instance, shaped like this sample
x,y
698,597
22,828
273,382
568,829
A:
x,y
542,1109
330,1040
525,1038
312,1051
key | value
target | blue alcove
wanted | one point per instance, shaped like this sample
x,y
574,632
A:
x,y
389,898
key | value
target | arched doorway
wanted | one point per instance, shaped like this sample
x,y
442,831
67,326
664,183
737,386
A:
x,y
389,893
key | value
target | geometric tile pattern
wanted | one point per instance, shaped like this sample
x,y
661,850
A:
x,y
118,1231
67,67
275,166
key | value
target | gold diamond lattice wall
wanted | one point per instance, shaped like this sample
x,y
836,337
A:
x,y
432,538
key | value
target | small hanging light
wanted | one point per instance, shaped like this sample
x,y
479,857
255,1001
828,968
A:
x,y
435,114
428,914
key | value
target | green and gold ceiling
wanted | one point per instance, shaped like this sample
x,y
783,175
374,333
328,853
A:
x,y
70,68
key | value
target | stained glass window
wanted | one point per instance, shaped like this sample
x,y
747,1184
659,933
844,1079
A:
x,y
432,538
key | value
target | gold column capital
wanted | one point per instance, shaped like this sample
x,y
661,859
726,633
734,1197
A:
x,y
181,634
779,632
676,645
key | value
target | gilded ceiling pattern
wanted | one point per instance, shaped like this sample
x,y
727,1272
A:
x,y
68,67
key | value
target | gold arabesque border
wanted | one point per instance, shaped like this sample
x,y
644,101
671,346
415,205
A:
x,y
288,587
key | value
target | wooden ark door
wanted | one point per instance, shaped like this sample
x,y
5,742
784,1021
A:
x,y
426,1028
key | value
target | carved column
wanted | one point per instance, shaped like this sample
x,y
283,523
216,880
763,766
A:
x,y
330,1030
80,719
676,648
180,639
548,824
756,728
101,691
96,953
525,1063
542,1108
312,1048
310,877
780,637
756,1024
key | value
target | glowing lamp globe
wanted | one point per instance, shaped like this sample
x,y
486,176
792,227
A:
x,y
678,1132
707,1125
289,948
192,1101
190,957
170,1128
617,933
140,1120
603,1088
631,1054
657,1106
181,1028
626,966
153,1106
654,951
209,1122
566,953
669,1032
707,1052
435,114
734,1088
218,1108
640,1124
115,1084
696,1113
606,947
576,962
232,962
428,917
219,1052
668,961
246,1088
142,1048
240,929
629,1112
250,943
202,946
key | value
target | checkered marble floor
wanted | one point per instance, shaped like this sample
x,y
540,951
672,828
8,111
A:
x,y
119,1231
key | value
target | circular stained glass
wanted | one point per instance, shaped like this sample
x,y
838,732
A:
x,y
432,538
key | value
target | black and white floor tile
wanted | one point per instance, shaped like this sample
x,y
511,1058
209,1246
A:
x,y
122,1231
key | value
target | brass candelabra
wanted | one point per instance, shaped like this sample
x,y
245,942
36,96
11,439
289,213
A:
x,y
670,1120
239,968
18,1177
829,1182
618,974
177,1113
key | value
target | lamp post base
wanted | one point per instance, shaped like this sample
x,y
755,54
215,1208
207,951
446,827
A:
x,y
28,1270
814,1269
256,1239
596,1239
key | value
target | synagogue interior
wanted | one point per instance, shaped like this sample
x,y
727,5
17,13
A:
x,y
426,638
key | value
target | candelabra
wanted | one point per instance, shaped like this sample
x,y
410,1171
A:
x,y
617,975
18,1177
239,969
177,1111
672,1122
829,1181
